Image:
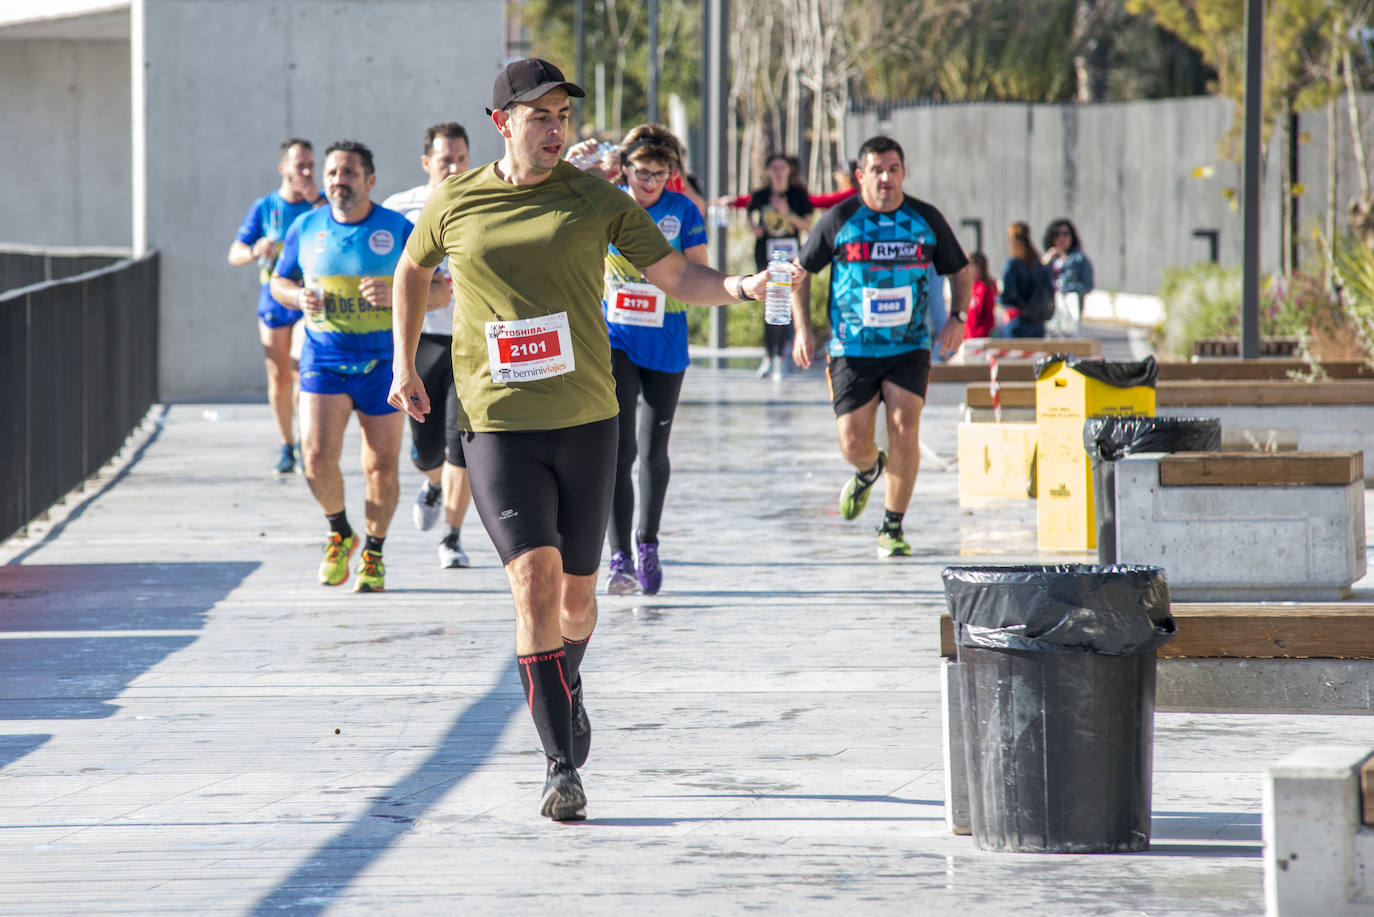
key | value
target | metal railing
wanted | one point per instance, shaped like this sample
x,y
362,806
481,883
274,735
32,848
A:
x,y
78,369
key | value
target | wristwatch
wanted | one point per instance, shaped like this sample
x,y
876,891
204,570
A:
x,y
957,315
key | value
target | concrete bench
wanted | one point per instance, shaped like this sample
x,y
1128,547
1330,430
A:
x,y
1319,833
1268,415
1265,368
1225,658
1244,525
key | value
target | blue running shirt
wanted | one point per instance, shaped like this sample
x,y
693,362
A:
x,y
647,345
270,217
321,251
882,269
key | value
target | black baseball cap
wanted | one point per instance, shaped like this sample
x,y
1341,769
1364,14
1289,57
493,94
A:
x,y
527,79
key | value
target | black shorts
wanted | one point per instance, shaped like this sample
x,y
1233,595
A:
x,y
855,380
545,488
435,442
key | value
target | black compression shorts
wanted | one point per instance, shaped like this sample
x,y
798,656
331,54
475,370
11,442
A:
x,y
545,488
436,440
854,381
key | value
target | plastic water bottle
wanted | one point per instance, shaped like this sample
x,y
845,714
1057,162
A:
x,y
777,303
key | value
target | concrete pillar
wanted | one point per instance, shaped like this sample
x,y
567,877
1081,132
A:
x,y
1315,848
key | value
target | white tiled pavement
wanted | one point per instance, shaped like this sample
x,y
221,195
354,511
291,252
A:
x,y
190,725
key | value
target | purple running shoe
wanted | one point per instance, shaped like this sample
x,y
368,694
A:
x,y
650,573
621,580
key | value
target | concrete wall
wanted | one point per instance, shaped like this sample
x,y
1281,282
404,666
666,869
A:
x,y
1124,173
65,143
223,83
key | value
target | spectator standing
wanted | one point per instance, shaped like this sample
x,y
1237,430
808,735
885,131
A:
x,y
1070,268
778,213
1020,276
982,310
437,450
260,238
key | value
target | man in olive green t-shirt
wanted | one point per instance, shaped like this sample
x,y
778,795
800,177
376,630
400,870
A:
x,y
526,239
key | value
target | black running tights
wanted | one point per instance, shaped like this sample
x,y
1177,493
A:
x,y
660,393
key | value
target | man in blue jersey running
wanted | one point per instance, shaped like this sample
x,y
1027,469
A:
x,y
887,251
259,239
336,266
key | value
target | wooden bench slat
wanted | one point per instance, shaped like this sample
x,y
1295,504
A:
x,y
1367,792
1179,393
1253,631
1231,469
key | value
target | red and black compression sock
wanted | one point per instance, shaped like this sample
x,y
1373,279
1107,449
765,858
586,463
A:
x,y
574,650
548,690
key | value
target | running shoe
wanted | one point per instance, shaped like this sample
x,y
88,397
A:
x,y
564,798
581,727
765,368
427,508
892,544
621,580
371,573
286,463
779,368
650,573
854,497
337,551
451,554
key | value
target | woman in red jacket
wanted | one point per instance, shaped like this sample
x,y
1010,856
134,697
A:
x,y
982,309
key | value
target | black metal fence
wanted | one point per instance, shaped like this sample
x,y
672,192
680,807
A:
x,y
78,372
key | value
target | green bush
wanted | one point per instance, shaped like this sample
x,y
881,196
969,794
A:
x,y
1204,301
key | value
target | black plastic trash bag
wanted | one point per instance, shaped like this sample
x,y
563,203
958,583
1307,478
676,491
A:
x,y
1114,610
1055,692
1109,438
1113,372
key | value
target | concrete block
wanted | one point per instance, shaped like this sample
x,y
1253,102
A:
x,y
1315,848
957,817
1311,427
1241,543
1274,686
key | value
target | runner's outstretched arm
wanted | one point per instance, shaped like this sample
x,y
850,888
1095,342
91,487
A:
x,y
698,285
409,300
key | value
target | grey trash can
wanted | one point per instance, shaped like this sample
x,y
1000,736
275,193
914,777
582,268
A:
x,y
1057,676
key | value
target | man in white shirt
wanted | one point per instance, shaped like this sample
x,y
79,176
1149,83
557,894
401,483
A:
x,y
437,450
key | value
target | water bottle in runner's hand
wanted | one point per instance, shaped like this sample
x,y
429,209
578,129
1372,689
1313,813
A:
x,y
777,304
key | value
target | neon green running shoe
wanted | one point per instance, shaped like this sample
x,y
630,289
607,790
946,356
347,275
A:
x,y
371,573
337,551
854,497
892,544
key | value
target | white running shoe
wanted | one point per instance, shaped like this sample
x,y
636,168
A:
x,y
765,368
428,505
451,554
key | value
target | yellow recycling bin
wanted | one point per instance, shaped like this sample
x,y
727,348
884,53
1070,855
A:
x,y
1068,392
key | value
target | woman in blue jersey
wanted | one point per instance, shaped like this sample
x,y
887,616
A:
x,y
648,333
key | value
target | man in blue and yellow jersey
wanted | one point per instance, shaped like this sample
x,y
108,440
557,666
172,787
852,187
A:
x,y
336,266
887,253
259,238
526,238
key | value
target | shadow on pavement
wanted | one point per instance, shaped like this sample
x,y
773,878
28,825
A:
x,y
73,637
327,874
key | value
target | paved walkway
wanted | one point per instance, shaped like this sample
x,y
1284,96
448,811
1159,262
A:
x,y
189,724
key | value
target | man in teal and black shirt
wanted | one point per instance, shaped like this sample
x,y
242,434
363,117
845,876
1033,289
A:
x,y
886,252
336,266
